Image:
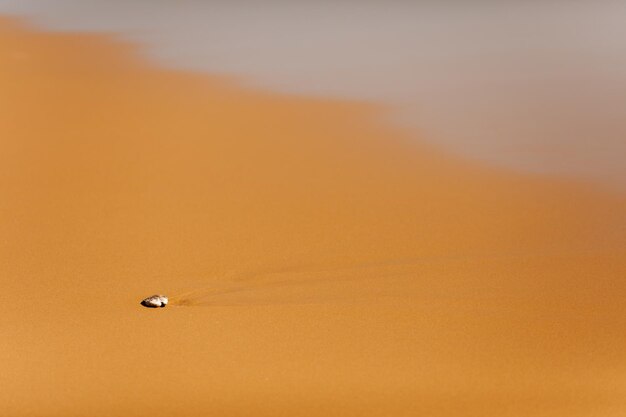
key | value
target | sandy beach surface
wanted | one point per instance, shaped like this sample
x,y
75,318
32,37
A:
x,y
320,262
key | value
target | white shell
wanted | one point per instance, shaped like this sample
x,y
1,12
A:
x,y
155,301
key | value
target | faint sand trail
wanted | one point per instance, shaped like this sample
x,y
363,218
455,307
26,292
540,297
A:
x,y
301,285
314,284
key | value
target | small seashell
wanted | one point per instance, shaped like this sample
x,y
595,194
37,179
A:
x,y
154,301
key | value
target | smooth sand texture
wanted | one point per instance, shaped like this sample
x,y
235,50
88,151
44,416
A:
x,y
341,269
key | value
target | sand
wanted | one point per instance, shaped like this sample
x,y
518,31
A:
x,y
319,261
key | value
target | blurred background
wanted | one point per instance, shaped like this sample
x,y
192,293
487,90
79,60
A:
x,y
536,86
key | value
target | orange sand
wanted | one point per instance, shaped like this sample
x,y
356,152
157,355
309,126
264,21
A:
x,y
383,278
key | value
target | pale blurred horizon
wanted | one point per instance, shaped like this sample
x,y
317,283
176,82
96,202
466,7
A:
x,y
536,87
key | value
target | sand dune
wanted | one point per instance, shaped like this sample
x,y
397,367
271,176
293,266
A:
x,y
534,86
344,268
